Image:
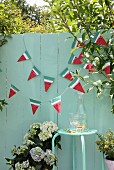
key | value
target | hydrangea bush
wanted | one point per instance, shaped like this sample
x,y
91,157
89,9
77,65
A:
x,y
36,153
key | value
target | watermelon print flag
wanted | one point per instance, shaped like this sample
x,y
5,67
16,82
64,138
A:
x,y
76,85
48,82
13,91
35,72
77,43
34,105
24,56
89,67
98,39
56,103
75,60
106,68
66,74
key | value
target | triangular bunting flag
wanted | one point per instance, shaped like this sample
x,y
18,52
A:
x,y
80,56
75,84
98,39
35,72
77,43
106,68
34,104
66,74
13,91
89,67
24,56
48,82
56,103
75,60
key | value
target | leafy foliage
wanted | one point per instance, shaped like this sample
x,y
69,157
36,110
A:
x,y
35,153
17,16
105,144
2,104
87,18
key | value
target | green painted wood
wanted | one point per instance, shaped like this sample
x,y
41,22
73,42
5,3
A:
x,y
50,54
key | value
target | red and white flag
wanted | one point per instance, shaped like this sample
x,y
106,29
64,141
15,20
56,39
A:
x,y
48,81
77,43
56,103
34,105
106,68
76,85
67,74
13,91
75,60
24,56
35,72
89,66
98,39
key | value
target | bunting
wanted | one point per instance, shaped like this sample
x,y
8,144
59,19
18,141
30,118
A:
x,y
13,91
24,56
89,67
48,82
106,68
75,60
77,43
76,85
35,72
34,105
56,103
98,39
67,74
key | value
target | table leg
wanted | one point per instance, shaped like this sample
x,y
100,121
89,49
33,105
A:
x,y
53,146
73,152
83,153
103,162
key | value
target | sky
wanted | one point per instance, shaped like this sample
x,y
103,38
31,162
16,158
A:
x,y
38,2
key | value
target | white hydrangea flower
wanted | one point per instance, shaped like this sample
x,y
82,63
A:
x,y
44,135
37,154
49,158
21,149
31,168
35,125
29,142
17,166
25,164
49,126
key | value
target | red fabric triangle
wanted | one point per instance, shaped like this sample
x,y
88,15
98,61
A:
x,y
69,76
34,108
101,41
80,44
11,93
22,58
81,56
47,85
79,87
90,68
107,70
32,75
57,106
77,61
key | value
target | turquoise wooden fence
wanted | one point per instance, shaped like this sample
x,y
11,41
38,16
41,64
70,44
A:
x,y
50,54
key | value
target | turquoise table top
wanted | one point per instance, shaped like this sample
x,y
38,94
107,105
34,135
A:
x,y
73,132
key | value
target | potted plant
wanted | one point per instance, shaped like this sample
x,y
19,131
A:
x,y
36,153
105,144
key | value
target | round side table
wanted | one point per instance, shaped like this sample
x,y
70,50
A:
x,y
74,134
